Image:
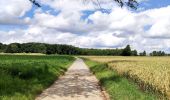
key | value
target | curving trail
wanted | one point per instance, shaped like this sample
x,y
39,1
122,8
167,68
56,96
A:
x,y
77,84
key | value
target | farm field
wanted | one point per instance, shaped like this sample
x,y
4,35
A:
x,y
22,77
150,73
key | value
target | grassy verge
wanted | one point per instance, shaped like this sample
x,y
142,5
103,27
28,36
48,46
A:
x,y
23,77
118,87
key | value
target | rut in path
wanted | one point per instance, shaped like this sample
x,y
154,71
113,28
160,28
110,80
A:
x,y
77,84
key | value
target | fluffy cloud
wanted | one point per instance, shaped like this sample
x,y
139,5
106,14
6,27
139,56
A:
x,y
146,30
12,10
160,23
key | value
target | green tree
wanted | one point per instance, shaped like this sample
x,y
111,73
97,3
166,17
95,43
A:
x,y
163,53
134,53
13,48
1,45
127,51
158,53
38,48
144,53
51,49
41,48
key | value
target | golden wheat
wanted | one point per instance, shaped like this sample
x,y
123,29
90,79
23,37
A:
x,y
151,73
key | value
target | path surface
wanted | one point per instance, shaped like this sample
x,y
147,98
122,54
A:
x,y
77,84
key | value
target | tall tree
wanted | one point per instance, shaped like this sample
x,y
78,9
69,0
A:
x,y
144,53
127,51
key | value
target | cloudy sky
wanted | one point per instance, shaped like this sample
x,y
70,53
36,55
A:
x,y
82,24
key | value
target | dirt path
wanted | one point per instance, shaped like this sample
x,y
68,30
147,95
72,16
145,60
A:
x,y
77,84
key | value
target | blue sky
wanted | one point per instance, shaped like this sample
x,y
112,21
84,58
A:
x,y
83,25
150,4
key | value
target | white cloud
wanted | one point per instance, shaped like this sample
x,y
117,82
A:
x,y
146,30
11,10
67,6
160,23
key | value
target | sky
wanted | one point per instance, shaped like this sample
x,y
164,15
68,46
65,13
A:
x,y
83,24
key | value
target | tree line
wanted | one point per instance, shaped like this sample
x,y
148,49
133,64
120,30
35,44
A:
x,y
70,50
158,53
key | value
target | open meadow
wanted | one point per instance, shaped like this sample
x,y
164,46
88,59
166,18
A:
x,y
150,73
23,77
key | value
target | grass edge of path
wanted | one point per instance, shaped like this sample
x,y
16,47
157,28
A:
x,y
118,87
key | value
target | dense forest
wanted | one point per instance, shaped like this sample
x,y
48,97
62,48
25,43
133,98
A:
x,y
70,50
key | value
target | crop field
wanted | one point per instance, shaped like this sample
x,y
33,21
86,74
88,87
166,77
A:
x,y
150,73
22,77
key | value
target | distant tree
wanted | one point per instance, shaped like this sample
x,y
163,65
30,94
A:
x,y
41,48
158,53
64,49
51,49
134,53
38,48
1,45
163,53
126,51
13,48
154,53
144,53
27,47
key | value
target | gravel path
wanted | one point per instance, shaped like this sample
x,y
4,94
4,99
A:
x,y
77,84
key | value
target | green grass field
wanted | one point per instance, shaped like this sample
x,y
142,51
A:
x,y
22,77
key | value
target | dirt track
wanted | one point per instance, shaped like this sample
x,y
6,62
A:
x,y
77,84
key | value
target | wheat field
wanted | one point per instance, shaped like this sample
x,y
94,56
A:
x,y
150,73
